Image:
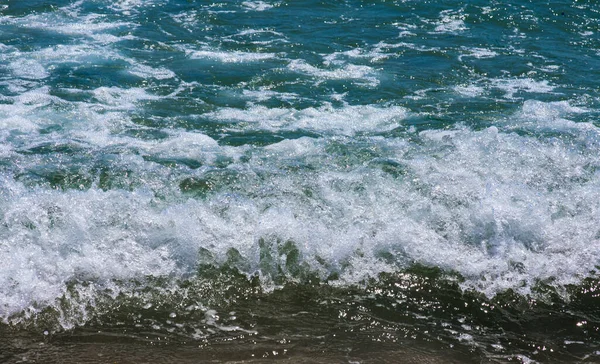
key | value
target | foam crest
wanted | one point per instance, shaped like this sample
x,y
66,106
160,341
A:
x,y
88,25
363,74
552,117
258,5
28,69
25,112
469,90
128,7
88,28
499,208
37,98
479,53
195,146
251,32
16,122
513,86
81,54
187,20
415,47
348,120
257,36
53,237
145,71
264,95
514,188
230,57
69,53
550,110
451,21
116,173
376,54
120,98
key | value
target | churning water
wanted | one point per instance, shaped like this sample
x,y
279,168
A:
x,y
332,180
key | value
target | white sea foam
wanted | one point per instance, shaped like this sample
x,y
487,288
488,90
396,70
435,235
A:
x,y
37,98
26,112
553,116
89,27
73,53
348,120
486,10
469,90
83,25
247,32
40,60
28,69
63,242
406,33
512,86
256,36
104,38
499,208
362,74
376,54
145,71
120,98
258,5
231,57
450,22
416,47
127,7
15,122
264,95
196,146
479,53
187,19
551,68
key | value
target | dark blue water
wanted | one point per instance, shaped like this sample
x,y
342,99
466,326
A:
x,y
338,181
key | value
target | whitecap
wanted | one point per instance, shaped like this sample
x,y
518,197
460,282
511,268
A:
x,y
347,120
231,57
363,74
257,5
450,21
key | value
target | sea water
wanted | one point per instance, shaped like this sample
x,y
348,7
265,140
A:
x,y
336,180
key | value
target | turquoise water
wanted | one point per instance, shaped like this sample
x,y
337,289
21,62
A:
x,y
342,181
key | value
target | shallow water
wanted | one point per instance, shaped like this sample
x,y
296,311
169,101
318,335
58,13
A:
x,y
342,181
